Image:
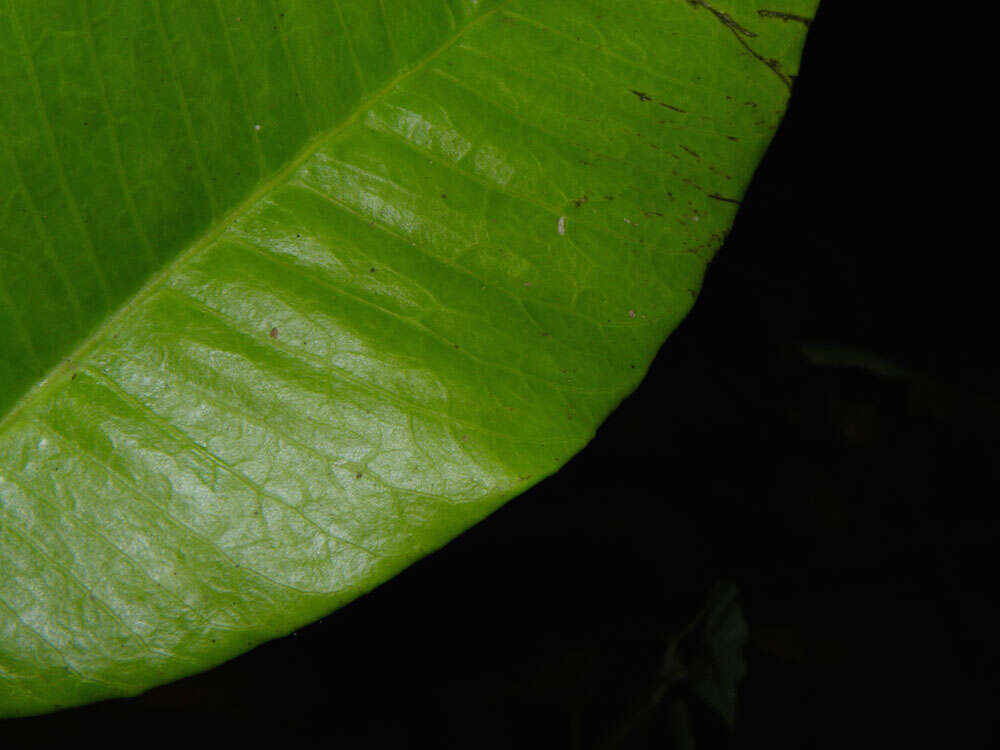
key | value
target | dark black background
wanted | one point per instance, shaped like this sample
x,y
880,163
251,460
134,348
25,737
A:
x,y
852,507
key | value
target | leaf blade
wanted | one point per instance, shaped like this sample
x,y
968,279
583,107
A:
x,y
426,311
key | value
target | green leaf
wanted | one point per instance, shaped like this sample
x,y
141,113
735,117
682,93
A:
x,y
717,665
294,291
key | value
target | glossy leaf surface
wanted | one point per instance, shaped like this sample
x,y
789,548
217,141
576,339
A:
x,y
294,291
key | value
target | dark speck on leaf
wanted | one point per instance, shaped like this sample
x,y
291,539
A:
x,y
716,196
371,270
359,475
642,97
274,333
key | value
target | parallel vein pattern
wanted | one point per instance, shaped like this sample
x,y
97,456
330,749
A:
x,y
354,274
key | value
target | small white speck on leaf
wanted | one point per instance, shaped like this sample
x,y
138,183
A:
x,y
257,128
562,225
627,221
696,217
631,313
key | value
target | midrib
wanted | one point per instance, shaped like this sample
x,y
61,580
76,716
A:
x,y
59,373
